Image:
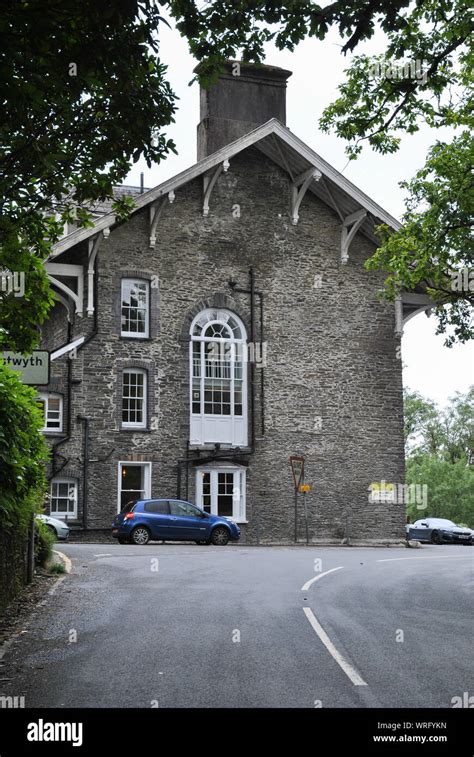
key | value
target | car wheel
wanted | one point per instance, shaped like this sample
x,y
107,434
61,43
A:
x,y
122,541
435,538
140,535
220,536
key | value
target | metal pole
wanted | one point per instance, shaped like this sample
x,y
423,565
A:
x,y
252,364
296,515
306,518
30,556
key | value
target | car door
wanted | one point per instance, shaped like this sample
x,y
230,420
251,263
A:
x,y
157,516
189,522
420,531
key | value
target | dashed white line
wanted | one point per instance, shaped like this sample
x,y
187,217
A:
x,y
348,669
311,581
105,554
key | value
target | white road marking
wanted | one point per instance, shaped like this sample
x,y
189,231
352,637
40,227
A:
x,y
67,562
105,554
429,557
311,581
348,669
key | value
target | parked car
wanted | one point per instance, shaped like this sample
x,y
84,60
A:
x,y
171,520
439,531
58,527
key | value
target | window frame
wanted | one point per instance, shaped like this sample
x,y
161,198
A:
x,y
226,380
64,515
130,425
135,334
239,499
44,397
146,480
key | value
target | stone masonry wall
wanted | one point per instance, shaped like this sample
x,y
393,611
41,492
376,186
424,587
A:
x,y
333,381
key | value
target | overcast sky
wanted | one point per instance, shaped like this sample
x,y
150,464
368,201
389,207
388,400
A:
x,y
318,69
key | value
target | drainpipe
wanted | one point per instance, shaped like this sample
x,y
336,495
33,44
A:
x,y
262,381
254,292
252,364
187,470
86,421
66,438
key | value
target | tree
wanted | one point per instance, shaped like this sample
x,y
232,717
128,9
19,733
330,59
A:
x,y
440,455
83,94
450,489
23,452
424,75
423,428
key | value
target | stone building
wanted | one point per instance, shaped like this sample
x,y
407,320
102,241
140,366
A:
x,y
228,324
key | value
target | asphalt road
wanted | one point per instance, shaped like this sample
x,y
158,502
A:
x,y
196,626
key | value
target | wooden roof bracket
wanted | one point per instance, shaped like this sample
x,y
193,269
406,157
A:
x,y
209,181
350,227
299,188
74,271
93,249
156,209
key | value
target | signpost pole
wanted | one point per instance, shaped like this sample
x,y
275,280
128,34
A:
x,y
305,517
297,469
296,516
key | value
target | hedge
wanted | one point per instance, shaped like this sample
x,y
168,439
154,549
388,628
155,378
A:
x,y
23,453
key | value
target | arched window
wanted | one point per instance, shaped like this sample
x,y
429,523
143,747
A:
x,y
218,369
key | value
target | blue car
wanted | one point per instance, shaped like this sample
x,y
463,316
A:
x,y
171,520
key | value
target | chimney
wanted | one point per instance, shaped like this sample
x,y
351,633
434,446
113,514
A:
x,y
245,96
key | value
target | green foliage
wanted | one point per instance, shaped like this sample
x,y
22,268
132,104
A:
x,y
450,488
448,434
424,75
20,316
440,455
44,542
434,248
57,567
23,452
84,94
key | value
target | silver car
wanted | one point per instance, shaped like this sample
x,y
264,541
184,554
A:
x,y
58,527
439,531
